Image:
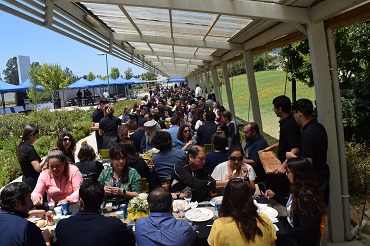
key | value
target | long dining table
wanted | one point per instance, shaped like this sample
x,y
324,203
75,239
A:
x,y
203,228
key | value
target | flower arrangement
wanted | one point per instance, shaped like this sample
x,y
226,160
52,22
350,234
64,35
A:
x,y
151,152
138,207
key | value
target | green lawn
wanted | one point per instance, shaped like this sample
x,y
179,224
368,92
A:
x,y
270,84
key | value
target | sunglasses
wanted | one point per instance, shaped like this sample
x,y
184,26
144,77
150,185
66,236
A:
x,y
187,131
66,140
233,158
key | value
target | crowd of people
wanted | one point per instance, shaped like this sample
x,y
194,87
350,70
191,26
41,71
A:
x,y
199,150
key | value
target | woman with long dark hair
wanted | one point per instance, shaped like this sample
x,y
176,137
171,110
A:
x,y
305,205
239,220
61,181
184,140
108,126
120,181
139,164
29,160
67,144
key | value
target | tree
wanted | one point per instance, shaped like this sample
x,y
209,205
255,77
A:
x,y
11,71
90,77
69,73
114,73
353,55
149,76
51,77
36,96
128,73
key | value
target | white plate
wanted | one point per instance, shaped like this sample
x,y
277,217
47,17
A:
x,y
199,214
177,203
270,212
216,199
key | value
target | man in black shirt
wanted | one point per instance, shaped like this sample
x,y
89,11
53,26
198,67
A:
x,y
313,144
206,131
97,115
191,174
288,142
79,98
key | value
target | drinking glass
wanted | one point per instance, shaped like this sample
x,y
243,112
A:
x,y
187,197
180,210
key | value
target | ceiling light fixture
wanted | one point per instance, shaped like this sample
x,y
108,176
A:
x,y
92,20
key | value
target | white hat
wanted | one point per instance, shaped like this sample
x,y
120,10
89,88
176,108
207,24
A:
x,y
150,123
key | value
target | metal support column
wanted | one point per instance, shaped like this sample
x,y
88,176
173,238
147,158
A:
x,y
228,88
326,115
215,82
248,60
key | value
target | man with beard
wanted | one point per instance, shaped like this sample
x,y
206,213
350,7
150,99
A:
x,y
150,132
255,142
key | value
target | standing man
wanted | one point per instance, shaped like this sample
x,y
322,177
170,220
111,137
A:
x,y
314,143
191,174
161,228
255,142
14,228
89,226
206,131
79,98
288,142
97,115
198,91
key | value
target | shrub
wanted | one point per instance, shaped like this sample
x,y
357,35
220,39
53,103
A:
x,y
358,166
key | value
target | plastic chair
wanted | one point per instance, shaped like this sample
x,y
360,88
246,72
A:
x,y
168,181
241,137
104,153
144,185
207,148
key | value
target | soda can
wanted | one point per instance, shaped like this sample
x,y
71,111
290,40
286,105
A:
x,y
65,208
123,207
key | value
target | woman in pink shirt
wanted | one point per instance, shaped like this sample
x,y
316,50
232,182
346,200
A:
x,y
61,181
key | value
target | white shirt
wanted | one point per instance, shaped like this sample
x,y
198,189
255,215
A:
x,y
220,171
198,91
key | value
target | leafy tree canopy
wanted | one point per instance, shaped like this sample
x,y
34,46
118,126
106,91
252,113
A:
x,y
149,76
114,73
128,73
90,77
11,71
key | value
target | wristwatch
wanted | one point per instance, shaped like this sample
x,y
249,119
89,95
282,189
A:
x,y
178,194
123,192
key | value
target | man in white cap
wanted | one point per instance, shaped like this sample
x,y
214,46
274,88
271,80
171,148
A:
x,y
150,132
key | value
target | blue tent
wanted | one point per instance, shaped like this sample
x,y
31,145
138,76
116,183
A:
x,y
137,81
120,81
6,87
26,84
80,84
177,79
98,82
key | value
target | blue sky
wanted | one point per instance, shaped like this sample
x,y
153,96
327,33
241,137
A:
x,y
20,37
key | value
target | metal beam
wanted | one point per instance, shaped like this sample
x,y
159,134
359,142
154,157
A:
x,y
229,94
177,55
330,8
177,41
249,9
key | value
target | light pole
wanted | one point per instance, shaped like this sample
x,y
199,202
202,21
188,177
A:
x,y
106,62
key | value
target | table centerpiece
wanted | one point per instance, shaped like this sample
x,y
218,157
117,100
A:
x,y
138,207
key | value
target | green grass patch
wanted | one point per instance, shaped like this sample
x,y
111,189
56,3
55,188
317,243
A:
x,y
270,84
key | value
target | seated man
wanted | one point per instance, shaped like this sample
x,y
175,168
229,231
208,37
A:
x,y
161,228
14,229
150,132
88,226
192,174
165,160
